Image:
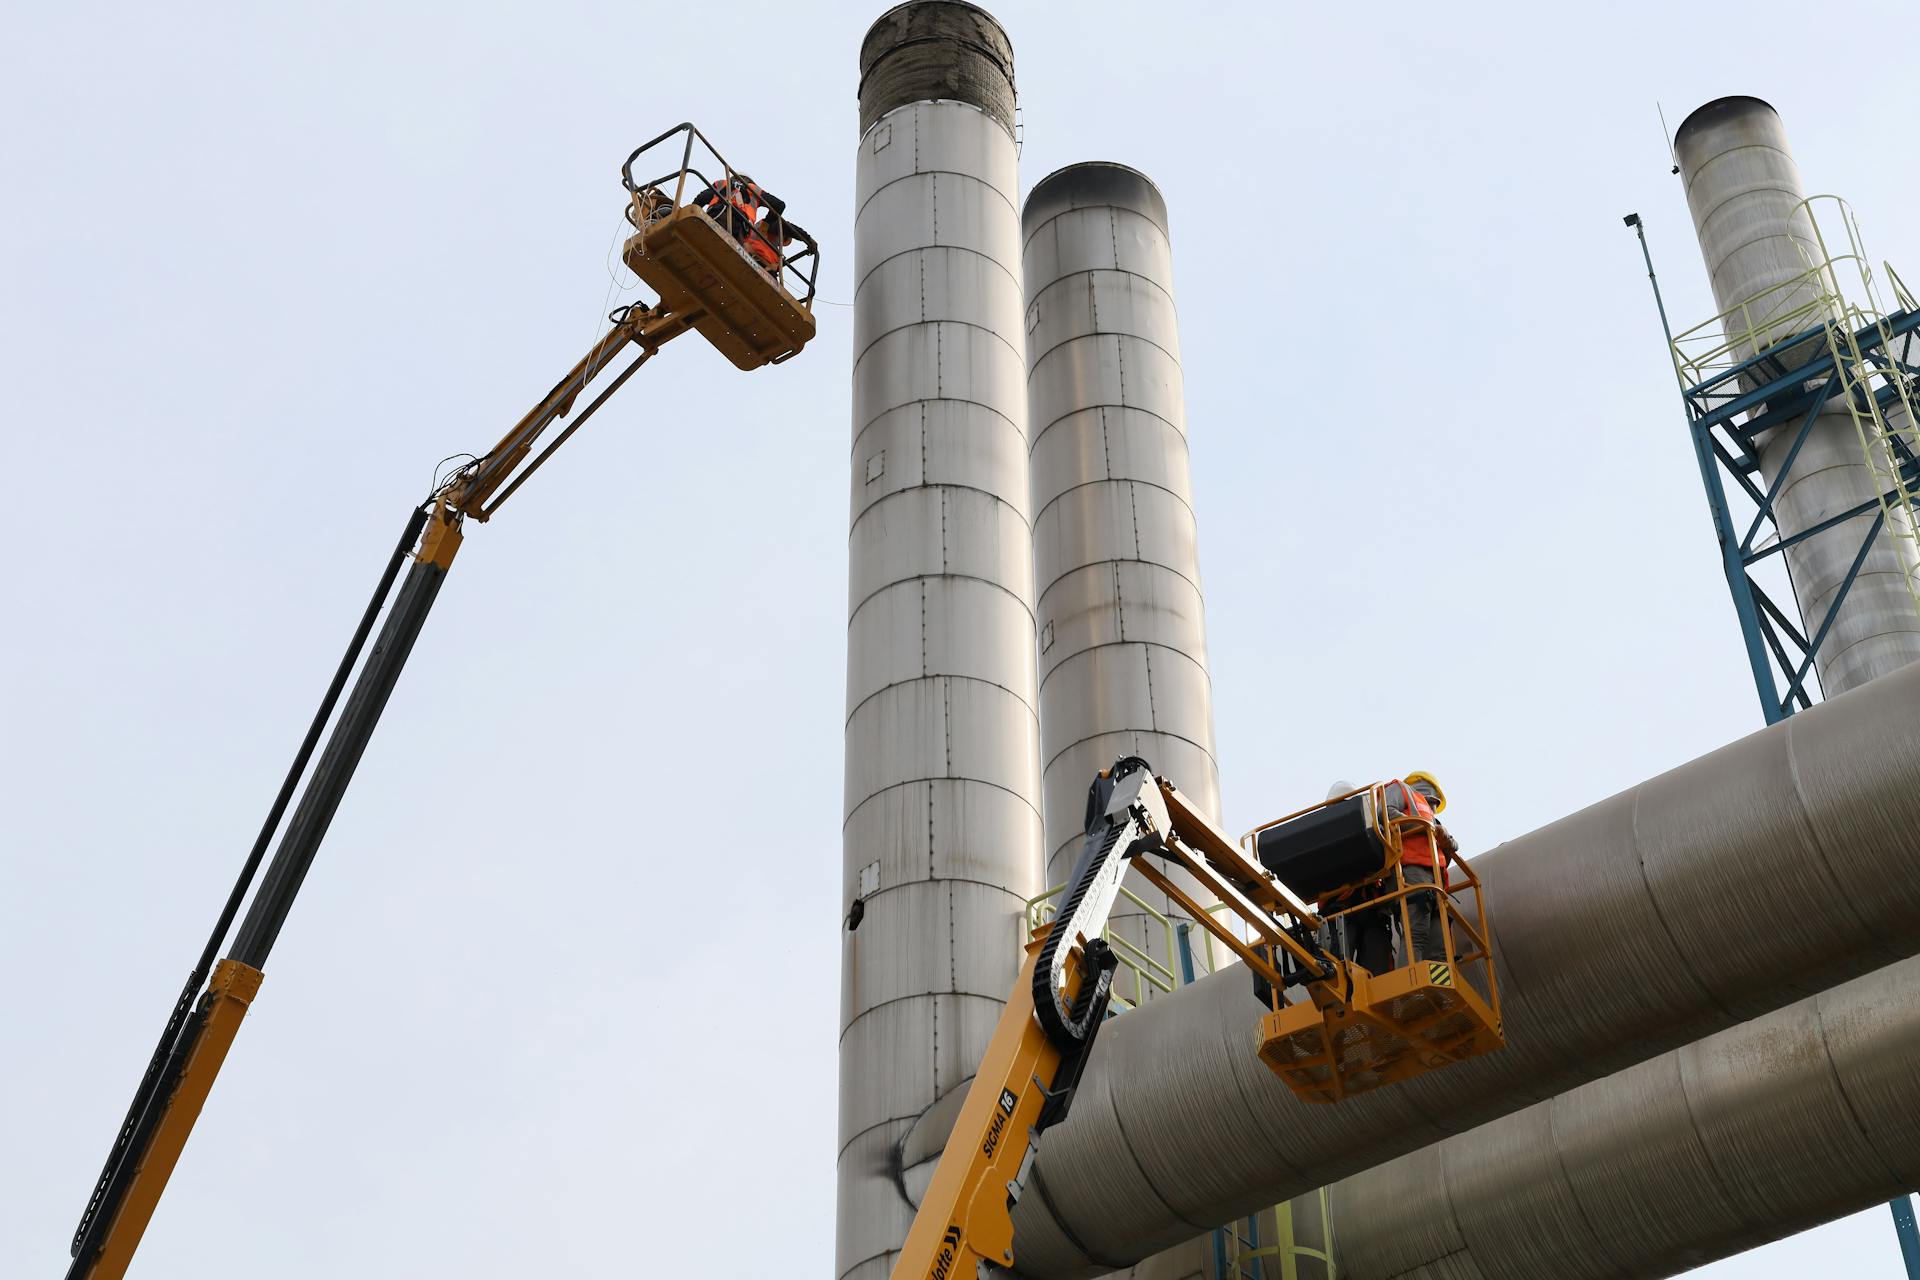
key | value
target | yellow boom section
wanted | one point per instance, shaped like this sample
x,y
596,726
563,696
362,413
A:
x,y
966,1214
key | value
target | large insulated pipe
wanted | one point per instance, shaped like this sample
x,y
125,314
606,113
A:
x,y
1123,642
1781,1123
1744,190
942,834
1769,870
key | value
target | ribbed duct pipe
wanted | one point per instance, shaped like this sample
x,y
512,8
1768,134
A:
x,y
1744,190
1769,870
1779,1124
942,834
1123,643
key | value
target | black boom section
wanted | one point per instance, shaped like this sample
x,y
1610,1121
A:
x,y
182,1032
330,777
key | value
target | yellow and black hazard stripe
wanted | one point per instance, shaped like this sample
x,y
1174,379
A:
x,y
1439,974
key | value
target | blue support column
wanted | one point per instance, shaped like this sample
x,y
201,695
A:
x,y
1909,1237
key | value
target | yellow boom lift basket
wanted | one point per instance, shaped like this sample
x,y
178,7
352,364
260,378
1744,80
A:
x,y
698,265
1418,1017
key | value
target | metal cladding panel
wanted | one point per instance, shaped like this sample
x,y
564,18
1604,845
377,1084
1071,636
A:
x,y
1104,368
928,210
1592,977
938,360
940,530
1609,1165
939,442
1115,521
1422,1227
1877,628
1554,965
939,626
873,1213
957,285
894,1042
942,728
965,616
939,829
1744,190
1101,302
1159,690
1778,874
1110,442
942,838
919,1048
1122,600
1869,1027
1102,239
935,937
1780,1123
938,137
1819,487
1532,1213
1777,1092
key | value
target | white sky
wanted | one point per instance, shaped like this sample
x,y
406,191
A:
x,y
560,995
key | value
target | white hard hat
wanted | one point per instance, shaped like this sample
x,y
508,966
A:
x,y
1340,789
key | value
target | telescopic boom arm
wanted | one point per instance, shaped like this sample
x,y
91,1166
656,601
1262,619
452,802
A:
x,y
706,282
203,1023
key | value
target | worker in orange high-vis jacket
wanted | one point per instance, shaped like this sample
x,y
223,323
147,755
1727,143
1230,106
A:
x,y
773,233
1425,850
735,203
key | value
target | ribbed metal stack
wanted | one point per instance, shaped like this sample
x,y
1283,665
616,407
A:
x,y
1123,645
942,835
1745,193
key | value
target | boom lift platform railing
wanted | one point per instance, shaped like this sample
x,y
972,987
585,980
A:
x,y
748,314
1033,1063
1416,1017
697,262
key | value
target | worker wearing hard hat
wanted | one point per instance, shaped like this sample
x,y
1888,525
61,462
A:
x,y
1365,933
1419,796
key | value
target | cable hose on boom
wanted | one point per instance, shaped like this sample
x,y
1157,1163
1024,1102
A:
x,y
1068,1027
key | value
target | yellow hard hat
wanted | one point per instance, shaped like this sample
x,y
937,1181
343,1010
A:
x,y
1439,796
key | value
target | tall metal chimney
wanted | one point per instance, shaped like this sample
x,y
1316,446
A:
x,y
1123,645
1744,190
942,834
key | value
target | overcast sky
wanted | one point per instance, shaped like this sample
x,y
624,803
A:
x,y
560,995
